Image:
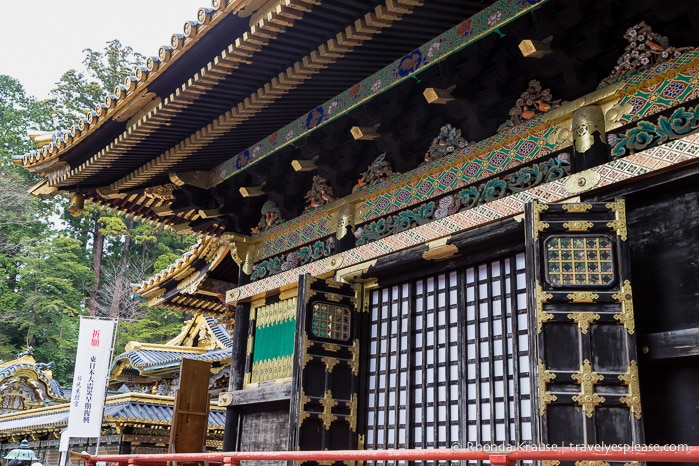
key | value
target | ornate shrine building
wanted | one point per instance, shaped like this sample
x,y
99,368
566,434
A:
x,y
445,222
139,405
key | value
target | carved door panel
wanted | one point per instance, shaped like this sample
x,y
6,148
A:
x,y
581,308
326,366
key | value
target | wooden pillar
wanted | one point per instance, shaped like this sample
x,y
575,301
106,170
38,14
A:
x,y
589,139
244,255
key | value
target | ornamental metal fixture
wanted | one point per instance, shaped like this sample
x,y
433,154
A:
x,y
545,397
587,378
582,297
303,414
352,418
330,363
541,298
619,224
328,404
583,319
633,399
354,362
578,225
577,208
625,297
538,225
307,343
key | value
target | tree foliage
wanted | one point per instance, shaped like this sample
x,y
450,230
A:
x,y
56,267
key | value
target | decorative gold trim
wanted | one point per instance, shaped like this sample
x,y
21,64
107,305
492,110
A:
x,y
578,225
334,262
250,345
619,224
583,319
354,362
352,418
587,121
276,313
328,404
438,250
633,399
303,415
332,347
330,363
591,463
587,379
333,297
307,343
545,397
272,369
537,224
625,297
582,181
582,297
576,208
541,298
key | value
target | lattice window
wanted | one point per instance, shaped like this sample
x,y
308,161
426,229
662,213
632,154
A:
x,y
416,397
497,398
331,321
579,260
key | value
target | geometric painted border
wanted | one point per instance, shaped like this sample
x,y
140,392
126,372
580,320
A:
x,y
658,158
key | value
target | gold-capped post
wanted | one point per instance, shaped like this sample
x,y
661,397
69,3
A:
x,y
435,95
534,48
251,191
363,133
303,165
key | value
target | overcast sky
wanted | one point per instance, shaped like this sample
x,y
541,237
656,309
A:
x,y
42,39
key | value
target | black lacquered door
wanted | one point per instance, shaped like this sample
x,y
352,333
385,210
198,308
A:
x,y
582,324
326,367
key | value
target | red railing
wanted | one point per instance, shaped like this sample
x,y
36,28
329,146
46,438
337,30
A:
x,y
503,456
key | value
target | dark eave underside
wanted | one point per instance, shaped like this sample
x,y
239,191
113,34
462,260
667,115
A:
x,y
317,26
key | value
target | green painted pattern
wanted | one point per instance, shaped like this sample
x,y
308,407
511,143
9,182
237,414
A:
x,y
485,22
274,341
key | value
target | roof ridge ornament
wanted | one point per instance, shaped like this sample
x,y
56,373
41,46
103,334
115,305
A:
x,y
646,48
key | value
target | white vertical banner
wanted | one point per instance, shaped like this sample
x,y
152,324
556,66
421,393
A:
x,y
90,377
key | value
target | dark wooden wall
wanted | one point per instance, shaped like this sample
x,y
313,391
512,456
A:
x,y
265,430
663,226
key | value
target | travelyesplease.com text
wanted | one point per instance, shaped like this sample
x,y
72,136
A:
x,y
597,448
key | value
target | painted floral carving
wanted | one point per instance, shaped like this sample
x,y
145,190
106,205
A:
x,y
448,141
533,102
320,193
646,48
379,169
270,216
